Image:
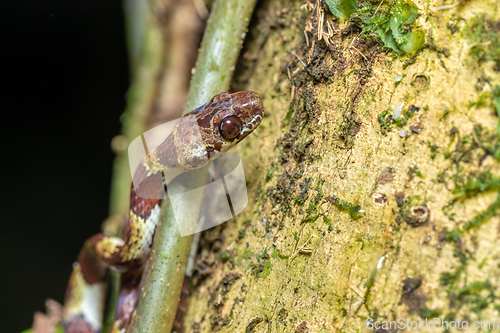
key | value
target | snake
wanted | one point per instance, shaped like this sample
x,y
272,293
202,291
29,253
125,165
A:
x,y
222,123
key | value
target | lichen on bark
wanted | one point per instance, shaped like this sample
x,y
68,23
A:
x,y
353,214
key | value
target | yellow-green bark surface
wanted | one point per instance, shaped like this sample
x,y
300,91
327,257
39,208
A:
x,y
351,215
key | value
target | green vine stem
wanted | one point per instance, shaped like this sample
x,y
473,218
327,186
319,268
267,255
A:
x,y
145,64
165,270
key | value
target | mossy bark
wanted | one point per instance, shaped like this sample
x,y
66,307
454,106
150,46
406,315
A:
x,y
353,215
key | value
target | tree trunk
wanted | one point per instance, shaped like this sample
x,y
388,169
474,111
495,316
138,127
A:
x,y
356,217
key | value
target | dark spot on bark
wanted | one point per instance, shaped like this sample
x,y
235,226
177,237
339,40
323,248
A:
x,y
418,216
282,314
379,198
302,328
420,81
400,198
414,109
385,176
413,298
300,149
254,322
355,126
410,284
417,128
218,321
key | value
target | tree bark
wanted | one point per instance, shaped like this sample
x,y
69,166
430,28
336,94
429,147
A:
x,y
354,216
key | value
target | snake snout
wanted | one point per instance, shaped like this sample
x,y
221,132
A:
x,y
256,103
248,106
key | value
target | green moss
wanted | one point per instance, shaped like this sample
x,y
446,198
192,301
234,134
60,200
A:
x,y
410,60
328,221
419,174
434,149
490,143
484,36
266,271
495,94
404,13
425,312
453,235
270,173
305,186
451,278
481,101
247,254
478,295
484,216
312,210
393,22
310,219
484,182
466,148
348,129
476,221
385,118
414,211
482,263
352,209
263,267
289,113
278,255
319,184
241,234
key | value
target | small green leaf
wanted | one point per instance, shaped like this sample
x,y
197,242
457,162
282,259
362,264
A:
x,y
396,27
403,12
342,8
496,103
413,41
388,39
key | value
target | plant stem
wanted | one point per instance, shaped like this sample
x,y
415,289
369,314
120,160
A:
x,y
165,270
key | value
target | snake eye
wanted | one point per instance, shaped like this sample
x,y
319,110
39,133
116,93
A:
x,y
230,127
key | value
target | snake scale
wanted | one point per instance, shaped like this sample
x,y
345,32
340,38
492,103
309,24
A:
x,y
223,122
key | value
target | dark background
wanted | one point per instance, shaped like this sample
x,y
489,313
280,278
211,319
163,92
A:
x,y
64,78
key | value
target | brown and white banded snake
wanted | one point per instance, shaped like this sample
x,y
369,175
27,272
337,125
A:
x,y
223,122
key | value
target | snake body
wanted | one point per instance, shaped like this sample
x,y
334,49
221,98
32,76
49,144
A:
x,y
223,122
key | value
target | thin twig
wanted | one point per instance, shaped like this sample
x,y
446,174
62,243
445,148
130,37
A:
x,y
376,10
445,7
295,54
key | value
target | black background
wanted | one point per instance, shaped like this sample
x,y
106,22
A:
x,y
63,88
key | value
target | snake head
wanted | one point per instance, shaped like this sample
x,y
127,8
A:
x,y
229,118
220,125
